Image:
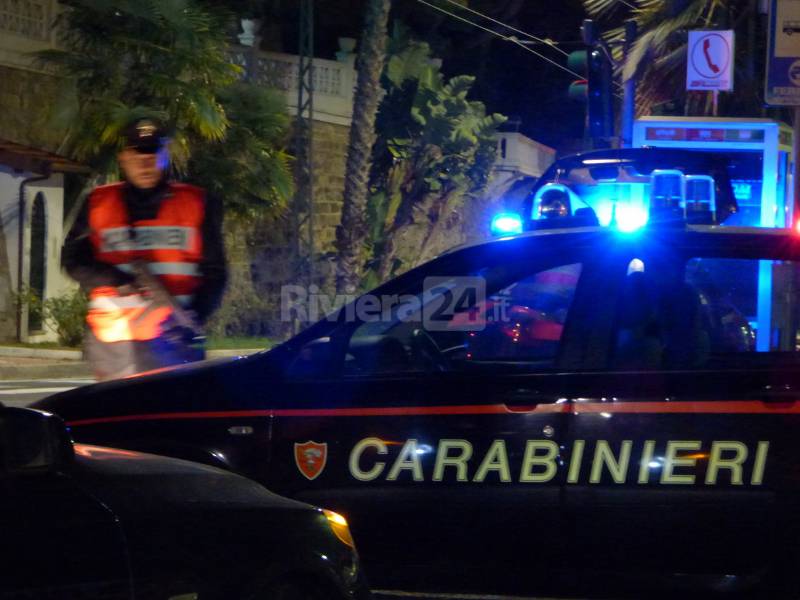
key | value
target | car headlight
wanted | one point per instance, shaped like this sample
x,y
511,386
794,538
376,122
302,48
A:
x,y
339,526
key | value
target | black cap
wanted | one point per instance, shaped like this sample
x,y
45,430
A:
x,y
145,135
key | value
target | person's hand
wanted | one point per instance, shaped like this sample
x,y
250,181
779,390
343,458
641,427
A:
x,y
192,316
127,289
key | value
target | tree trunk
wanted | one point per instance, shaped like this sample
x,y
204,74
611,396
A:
x,y
352,232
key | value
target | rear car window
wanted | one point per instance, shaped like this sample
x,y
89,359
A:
x,y
707,313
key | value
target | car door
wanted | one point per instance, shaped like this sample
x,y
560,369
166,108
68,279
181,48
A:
x,y
441,443
678,447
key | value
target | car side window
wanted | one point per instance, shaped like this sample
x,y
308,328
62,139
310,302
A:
x,y
460,323
707,313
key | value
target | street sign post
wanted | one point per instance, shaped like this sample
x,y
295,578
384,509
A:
x,y
783,58
783,67
709,61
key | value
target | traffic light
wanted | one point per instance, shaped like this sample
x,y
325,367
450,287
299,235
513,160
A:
x,y
600,104
596,89
577,62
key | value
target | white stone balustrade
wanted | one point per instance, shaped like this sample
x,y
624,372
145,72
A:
x,y
333,82
26,18
25,26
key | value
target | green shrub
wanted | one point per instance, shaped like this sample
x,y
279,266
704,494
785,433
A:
x,y
28,297
66,314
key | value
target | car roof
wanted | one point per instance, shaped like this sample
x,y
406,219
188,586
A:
x,y
647,158
678,155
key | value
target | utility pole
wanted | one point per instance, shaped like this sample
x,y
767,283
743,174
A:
x,y
596,65
629,90
795,175
303,205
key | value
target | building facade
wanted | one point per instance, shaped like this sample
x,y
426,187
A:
x,y
32,174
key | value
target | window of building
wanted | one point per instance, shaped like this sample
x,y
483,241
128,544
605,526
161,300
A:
x,y
38,261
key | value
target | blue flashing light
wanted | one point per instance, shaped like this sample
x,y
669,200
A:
x,y
506,224
631,218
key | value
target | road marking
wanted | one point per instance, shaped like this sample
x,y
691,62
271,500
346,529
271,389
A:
x,y
38,390
22,382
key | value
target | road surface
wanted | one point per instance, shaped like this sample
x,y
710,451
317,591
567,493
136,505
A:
x,y
24,392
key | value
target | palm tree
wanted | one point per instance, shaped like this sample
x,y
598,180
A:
x,y
658,58
351,234
170,59
431,162
130,58
249,168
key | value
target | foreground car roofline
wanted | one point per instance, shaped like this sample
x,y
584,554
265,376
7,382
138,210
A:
x,y
525,235
537,233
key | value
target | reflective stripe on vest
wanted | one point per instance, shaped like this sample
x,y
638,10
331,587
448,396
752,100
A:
x,y
156,237
171,244
167,268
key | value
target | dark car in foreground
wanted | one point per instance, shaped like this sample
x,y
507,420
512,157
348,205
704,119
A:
x,y
92,522
611,404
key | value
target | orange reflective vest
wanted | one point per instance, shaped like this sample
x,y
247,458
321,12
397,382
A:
x,y
171,244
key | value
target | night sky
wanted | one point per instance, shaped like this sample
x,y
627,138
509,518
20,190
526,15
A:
x,y
510,80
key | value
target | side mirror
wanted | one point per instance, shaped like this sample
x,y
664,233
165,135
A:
x,y
32,441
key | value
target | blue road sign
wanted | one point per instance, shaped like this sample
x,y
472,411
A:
x,y
783,54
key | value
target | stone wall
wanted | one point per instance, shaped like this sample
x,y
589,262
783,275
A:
x,y
260,250
25,101
330,154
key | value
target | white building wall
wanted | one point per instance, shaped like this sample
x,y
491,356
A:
x,y
9,213
518,158
8,229
519,154
56,282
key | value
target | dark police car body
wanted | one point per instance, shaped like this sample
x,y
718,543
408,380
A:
x,y
615,403
102,523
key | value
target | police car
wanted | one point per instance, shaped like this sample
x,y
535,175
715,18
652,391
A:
x,y
609,396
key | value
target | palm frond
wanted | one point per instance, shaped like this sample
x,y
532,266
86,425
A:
x,y
601,8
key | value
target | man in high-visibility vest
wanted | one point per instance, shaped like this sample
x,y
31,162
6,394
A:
x,y
146,224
